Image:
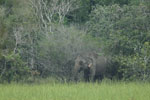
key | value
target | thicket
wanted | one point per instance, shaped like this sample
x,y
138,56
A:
x,y
41,38
124,34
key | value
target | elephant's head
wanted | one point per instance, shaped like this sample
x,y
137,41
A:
x,y
82,64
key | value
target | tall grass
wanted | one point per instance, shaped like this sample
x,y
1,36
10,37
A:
x,y
79,91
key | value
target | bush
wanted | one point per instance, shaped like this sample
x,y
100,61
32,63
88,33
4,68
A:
x,y
60,50
12,68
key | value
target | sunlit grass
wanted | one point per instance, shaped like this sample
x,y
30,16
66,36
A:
x,y
79,91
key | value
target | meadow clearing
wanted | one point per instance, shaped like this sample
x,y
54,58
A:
x,y
79,91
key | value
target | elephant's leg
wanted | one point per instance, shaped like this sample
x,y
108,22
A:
x,y
86,78
92,75
87,75
95,78
76,78
98,78
101,77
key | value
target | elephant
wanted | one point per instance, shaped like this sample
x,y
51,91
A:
x,y
93,66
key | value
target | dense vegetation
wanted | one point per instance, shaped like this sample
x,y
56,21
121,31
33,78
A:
x,y
41,38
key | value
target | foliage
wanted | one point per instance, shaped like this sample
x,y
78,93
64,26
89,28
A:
x,y
43,37
84,8
12,68
124,35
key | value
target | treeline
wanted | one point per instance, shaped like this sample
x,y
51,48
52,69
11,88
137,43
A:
x,y
41,38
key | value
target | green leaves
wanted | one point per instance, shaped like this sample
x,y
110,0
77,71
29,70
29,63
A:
x,y
124,34
12,68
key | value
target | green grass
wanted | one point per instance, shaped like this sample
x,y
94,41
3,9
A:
x,y
80,91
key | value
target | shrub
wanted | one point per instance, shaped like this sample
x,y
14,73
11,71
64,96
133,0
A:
x,y
12,68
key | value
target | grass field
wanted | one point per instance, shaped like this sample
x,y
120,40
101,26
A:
x,y
80,91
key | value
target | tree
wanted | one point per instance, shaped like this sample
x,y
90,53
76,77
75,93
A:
x,y
84,8
123,34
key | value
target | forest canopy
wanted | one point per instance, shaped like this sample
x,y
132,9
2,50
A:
x,y
41,38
